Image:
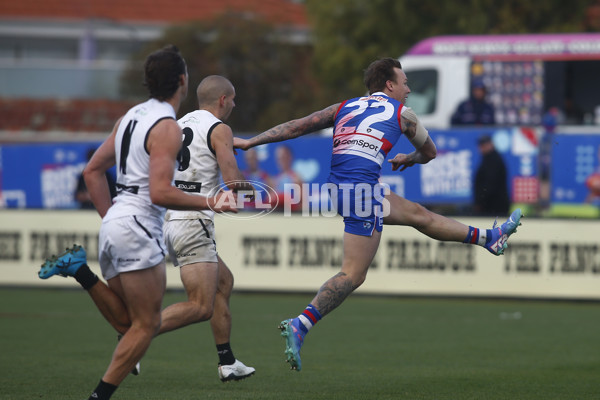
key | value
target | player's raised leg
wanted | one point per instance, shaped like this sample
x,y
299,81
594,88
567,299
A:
x,y
73,263
436,226
65,264
359,252
499,235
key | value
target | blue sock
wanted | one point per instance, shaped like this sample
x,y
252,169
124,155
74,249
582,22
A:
x,y
309,317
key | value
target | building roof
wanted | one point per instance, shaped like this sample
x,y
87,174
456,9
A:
x,y
287,12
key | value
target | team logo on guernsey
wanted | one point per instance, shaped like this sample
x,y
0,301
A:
x,y
250,204
360,143
192,187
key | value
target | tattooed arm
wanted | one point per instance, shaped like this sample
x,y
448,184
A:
x,y
422,155
291,129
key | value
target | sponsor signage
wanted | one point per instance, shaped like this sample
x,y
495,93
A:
x,y
45,175
545,258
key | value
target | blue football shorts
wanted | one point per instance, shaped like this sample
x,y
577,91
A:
x,y
361,207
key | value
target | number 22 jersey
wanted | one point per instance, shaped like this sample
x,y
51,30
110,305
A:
x,y
365,130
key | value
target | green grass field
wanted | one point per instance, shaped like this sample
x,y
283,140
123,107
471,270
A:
x,y
55,345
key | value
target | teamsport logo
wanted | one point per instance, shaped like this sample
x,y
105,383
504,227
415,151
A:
x,y
251,204
308,200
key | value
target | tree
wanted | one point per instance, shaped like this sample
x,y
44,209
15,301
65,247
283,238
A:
x,y
277,80
349,34
271,75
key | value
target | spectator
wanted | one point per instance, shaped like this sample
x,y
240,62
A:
x,y
573,114
287,182
592,183
475,110
253,171
259,179
82,196
490,187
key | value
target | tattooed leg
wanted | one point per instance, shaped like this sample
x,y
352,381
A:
x,y
333,292
359,252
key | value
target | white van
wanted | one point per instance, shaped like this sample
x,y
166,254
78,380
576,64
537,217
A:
x,y
525,76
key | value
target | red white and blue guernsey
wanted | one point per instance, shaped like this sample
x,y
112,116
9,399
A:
x,y
365,130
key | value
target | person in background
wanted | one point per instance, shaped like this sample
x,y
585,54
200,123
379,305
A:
x,y
490,190
475,110
287,178
592,183
82,195
252,172
258,177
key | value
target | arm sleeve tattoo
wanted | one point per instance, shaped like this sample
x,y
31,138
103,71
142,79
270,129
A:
x,y
297,127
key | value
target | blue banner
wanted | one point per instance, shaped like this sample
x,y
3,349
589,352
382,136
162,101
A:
x,y
448,179
574,159
42,175
45,175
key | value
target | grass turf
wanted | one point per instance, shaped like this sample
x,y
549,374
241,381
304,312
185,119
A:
x,y
55,345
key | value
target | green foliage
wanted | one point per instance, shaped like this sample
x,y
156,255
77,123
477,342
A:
x,y
349,34
277,80
269,73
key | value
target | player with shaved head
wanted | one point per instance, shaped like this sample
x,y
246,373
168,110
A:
x,y
190,237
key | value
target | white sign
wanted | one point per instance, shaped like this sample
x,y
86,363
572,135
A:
x,y
545,258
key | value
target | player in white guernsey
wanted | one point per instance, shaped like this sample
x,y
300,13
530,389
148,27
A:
x,y
365,129
144,145
207,153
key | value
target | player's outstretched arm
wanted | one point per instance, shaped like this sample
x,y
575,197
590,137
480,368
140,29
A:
x,y
291,129
222,142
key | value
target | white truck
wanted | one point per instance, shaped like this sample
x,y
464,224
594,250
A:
x,y
525,75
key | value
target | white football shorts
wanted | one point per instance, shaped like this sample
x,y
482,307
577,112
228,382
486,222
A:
x,y
190,241
130,243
